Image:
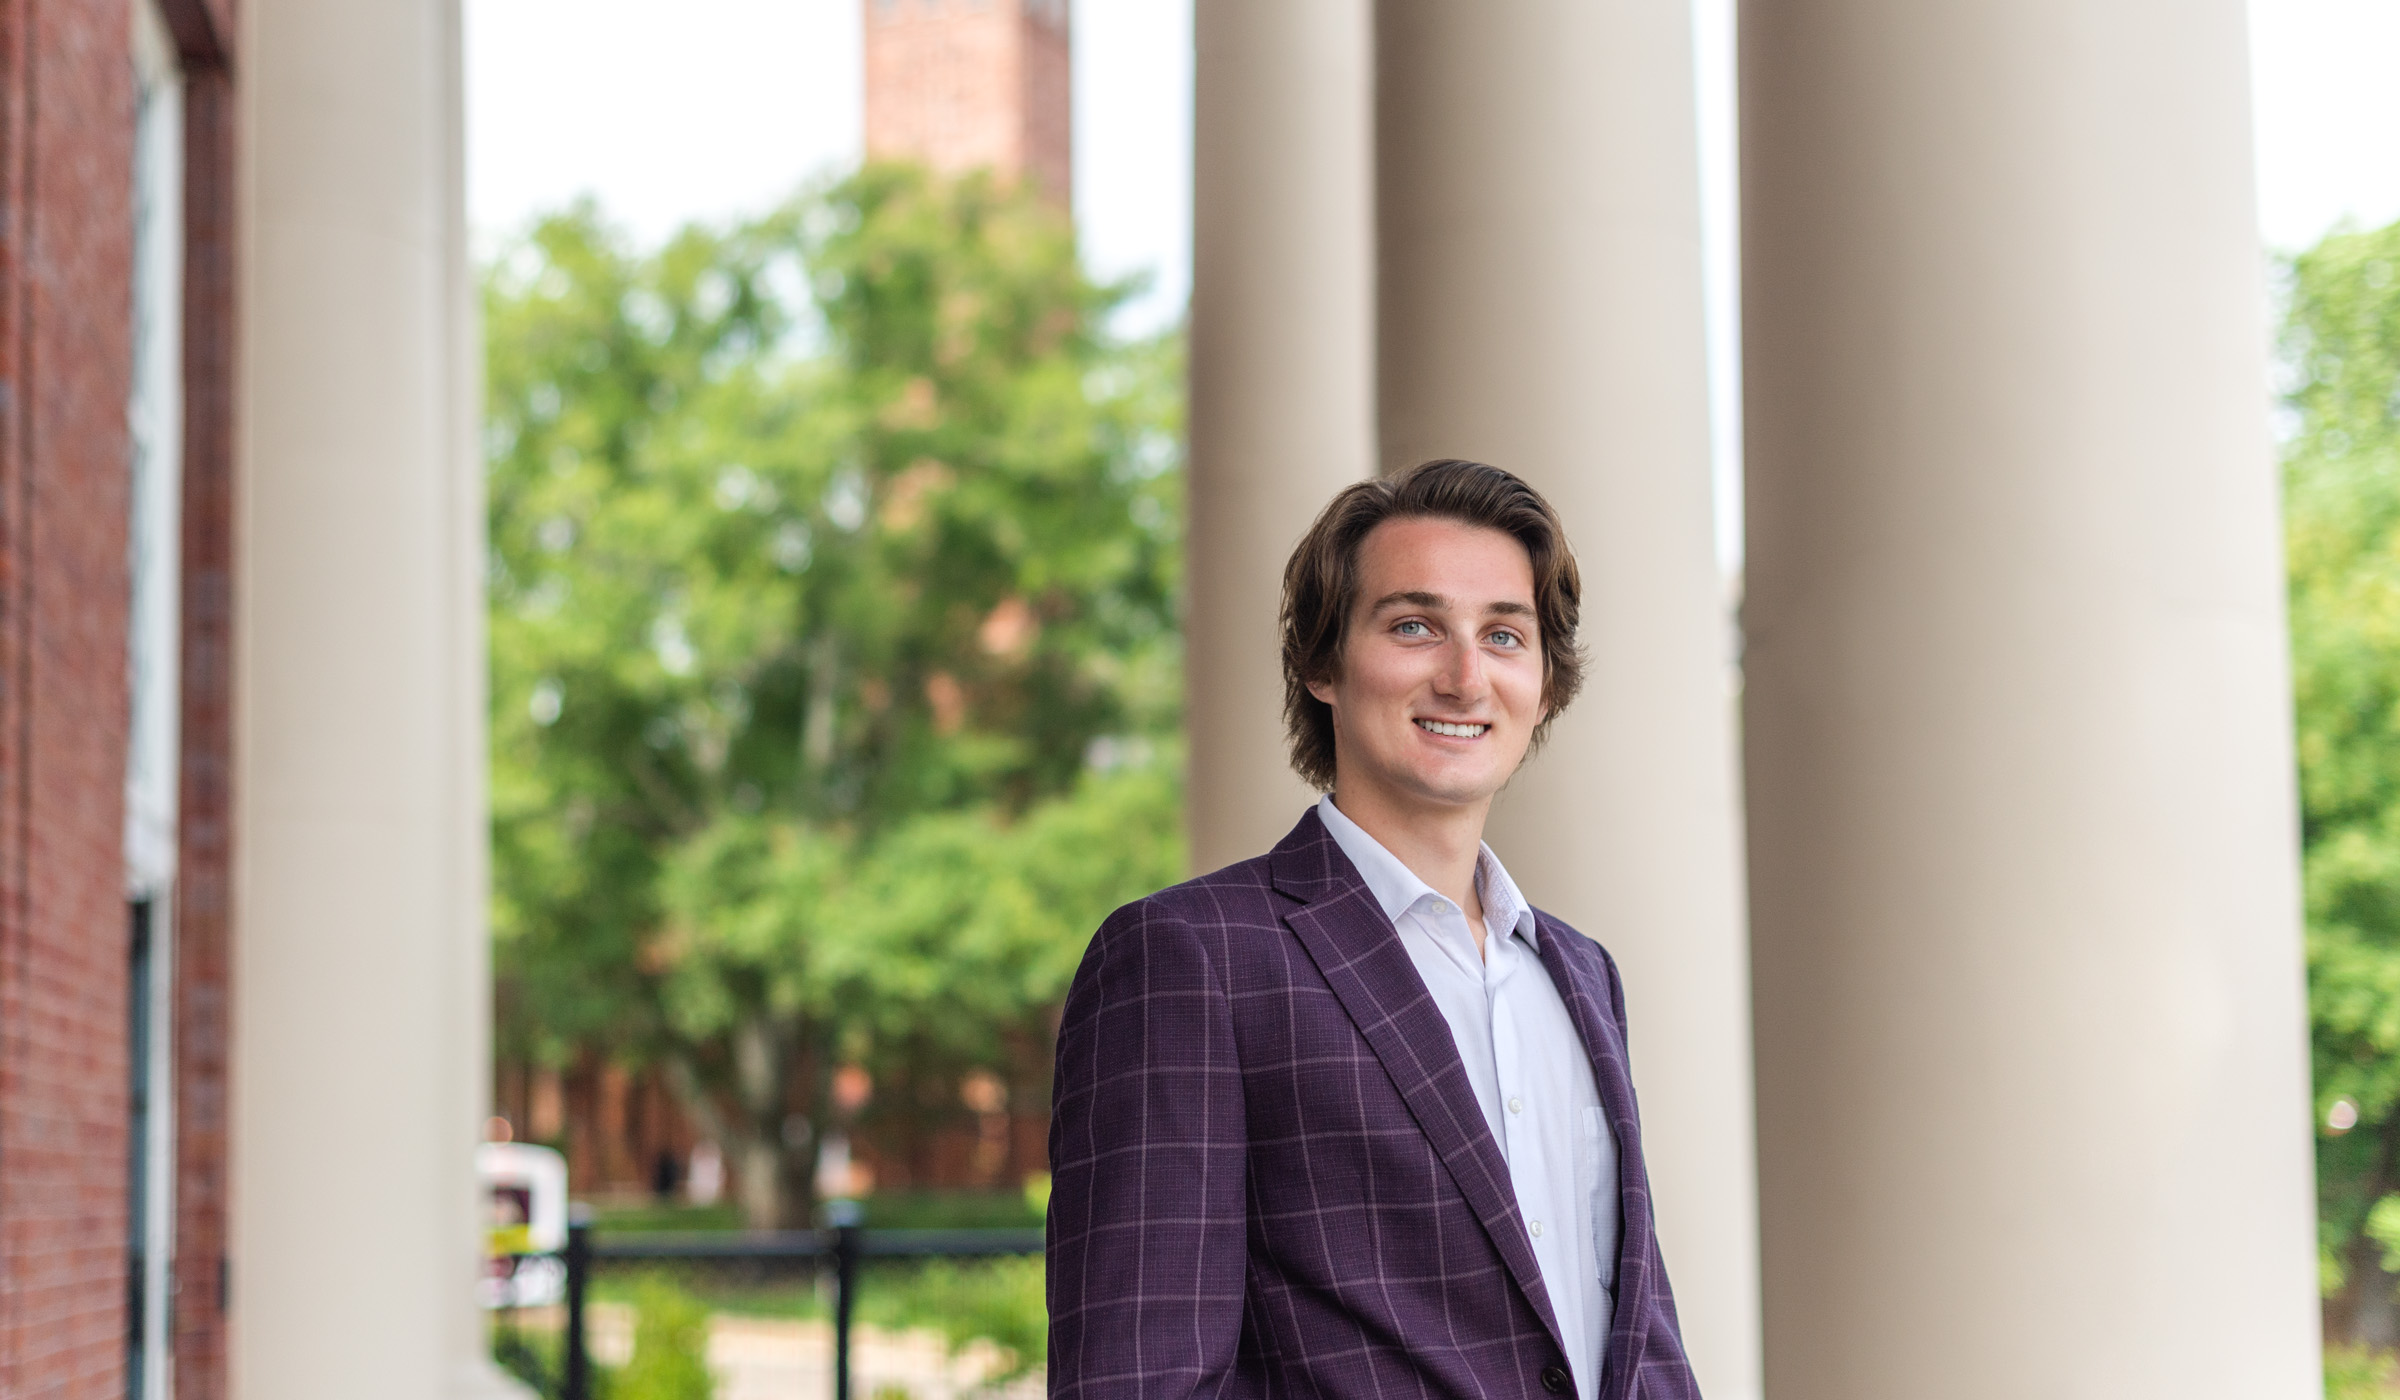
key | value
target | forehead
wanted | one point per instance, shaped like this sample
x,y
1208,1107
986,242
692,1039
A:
x,y
1471,566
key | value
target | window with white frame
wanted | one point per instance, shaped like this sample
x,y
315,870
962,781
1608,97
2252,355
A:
x,y
153,630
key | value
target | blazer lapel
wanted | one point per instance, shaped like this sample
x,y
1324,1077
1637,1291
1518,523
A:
x,y
1360,955
1581,984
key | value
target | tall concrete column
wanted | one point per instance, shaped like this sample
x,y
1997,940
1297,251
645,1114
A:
x,y
1282,373
1540,308
2032,1078
360,1005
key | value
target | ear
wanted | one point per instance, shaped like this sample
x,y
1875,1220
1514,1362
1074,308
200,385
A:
x,y
1323,690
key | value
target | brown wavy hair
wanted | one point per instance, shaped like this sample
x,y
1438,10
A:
x,y
1320,587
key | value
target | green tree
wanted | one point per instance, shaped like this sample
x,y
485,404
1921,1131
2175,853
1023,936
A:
x,y
834,558
2342,492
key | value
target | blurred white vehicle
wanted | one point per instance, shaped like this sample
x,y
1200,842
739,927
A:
x,y
525,1202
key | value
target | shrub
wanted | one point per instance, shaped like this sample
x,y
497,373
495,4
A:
x,y
670,1348
998,1299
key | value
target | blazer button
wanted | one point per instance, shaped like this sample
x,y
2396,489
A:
x,y
1554,1379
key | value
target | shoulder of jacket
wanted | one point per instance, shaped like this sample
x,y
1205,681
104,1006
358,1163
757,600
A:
x,y
1215,897
1238,896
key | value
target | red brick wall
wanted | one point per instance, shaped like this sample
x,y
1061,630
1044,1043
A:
x,y
969,84
66,128
204,861
1047,107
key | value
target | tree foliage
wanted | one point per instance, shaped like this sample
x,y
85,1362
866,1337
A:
x,y
2342,490
834,658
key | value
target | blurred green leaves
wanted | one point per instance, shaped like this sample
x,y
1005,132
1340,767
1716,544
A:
x,y
835,667
2342,523
670,1348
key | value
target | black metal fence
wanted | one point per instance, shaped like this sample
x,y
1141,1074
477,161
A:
x,y
843,1246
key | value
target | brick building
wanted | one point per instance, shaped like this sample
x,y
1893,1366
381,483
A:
x,y
220,765
973,84
115,450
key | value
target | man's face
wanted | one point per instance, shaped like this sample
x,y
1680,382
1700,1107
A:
x,y
1441,678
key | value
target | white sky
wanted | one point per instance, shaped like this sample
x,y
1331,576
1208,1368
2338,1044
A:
x,y
710,109
2327,112
730,104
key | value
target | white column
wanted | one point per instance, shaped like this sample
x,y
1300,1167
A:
x,y
1540,309
360,1004
1282,377
2032,1062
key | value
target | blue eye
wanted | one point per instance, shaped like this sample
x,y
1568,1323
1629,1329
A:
x,y
1508,639
1421,630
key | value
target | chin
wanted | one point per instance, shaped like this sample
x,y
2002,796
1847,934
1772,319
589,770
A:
x,y
1455,789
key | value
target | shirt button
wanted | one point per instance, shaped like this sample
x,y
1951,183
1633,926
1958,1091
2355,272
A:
x,y
1554,1379
1537,1229
1516,1105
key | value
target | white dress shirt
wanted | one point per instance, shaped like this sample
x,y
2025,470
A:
x,y
1531,1072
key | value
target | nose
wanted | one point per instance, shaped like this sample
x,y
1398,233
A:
x,y
1461,675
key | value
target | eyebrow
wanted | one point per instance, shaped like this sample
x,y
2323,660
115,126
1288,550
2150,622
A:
x,y
1417,598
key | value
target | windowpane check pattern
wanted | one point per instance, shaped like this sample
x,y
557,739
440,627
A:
x,y
1271,1175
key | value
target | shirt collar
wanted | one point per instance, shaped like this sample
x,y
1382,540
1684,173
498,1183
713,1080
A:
x,y
1397,889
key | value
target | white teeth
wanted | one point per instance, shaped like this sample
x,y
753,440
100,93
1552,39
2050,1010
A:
x,y
1455,731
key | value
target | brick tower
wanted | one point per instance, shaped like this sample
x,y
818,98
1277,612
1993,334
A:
x,y
962,84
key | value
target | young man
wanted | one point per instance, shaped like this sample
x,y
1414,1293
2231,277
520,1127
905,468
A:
x,y
1352,1118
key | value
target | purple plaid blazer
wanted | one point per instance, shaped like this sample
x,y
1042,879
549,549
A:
x,y
1269,1174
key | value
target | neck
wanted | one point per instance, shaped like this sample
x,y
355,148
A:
x,y
1439,843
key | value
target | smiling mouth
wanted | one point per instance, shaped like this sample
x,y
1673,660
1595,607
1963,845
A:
x,y
1452,731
